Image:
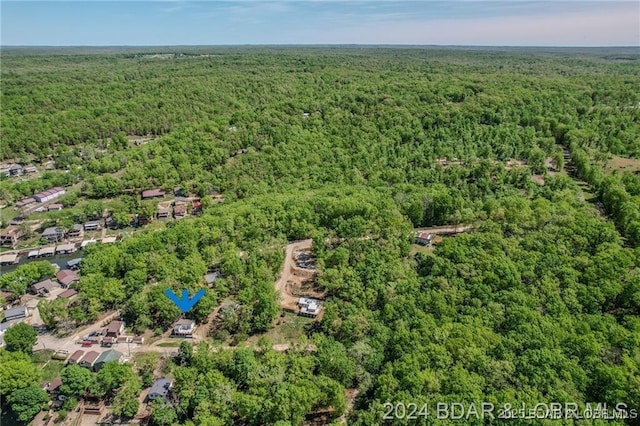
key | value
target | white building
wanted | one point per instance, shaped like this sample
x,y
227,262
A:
x,y
309,307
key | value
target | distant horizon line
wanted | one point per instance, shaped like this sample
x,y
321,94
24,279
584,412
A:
x,y
320,45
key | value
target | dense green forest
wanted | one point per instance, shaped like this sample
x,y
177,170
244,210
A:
x,y
538,304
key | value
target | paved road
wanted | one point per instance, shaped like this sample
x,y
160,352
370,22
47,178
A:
x,y
69,343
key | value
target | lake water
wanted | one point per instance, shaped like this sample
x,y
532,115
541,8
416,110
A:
x,y
59,259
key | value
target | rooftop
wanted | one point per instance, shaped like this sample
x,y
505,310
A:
x,y
8,257
66,247
114,326
47,250
67,276
54,230
109,356
212,276
160,387
74,262
67,294
76,355
150,193
12,312
45,285
184,321
90,357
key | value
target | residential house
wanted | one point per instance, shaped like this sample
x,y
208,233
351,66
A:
x,y
89,359
110,355
66,277
160,389
33,254
211,277
30,169
109,240
11,235
92,226
309,307
184,327
19,312
43,288
76,232
152,193
115,328
76,357
68,294
423,238
179,211
163,213
53,386
53,234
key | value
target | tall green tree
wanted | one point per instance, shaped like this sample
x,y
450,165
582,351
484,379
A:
x,y
20,338
27,402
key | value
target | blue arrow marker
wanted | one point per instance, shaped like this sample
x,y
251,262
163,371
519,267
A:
x,y
185,304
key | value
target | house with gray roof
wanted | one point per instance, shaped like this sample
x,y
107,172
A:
x,y
160,389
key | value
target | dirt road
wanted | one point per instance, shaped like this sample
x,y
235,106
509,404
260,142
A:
x,y
445,230
287,300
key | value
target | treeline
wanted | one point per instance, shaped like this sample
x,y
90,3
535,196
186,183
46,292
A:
x,y
623,207
486,108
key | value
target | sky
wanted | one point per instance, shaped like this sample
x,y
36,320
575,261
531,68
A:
x,y
425,22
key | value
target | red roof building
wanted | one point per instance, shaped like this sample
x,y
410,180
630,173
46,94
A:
x,y
67,294
66,277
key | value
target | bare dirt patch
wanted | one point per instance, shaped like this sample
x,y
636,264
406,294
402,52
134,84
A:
x,y
512,164
539,179
623,164
288,277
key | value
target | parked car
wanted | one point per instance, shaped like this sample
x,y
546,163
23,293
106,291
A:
x,y
87,343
